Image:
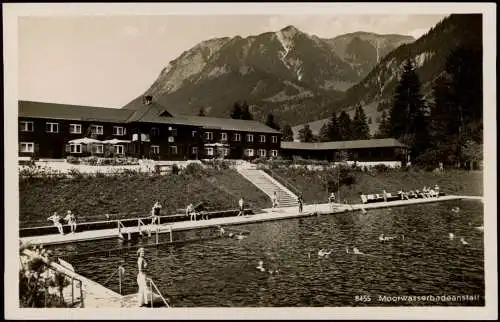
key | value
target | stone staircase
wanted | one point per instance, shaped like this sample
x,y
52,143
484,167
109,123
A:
x,y
268,185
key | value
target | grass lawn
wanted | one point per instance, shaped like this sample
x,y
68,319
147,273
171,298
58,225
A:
x,y
122,196
312,183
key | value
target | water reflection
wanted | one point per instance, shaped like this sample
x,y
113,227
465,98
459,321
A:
x,y
222,272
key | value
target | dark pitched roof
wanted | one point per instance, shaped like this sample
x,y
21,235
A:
x,y
152,113
72,112
342,145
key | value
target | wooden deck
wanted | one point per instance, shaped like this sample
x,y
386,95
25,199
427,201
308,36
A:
x,y
267,215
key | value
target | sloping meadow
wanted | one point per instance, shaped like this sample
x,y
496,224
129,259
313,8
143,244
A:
x,y
133,194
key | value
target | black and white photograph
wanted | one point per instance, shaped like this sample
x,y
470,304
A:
x,y
250,161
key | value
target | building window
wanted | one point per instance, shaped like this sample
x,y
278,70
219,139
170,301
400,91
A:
x,y
262,138
75,148
174,132
226,152
98,148
262,152
274,153
249,152
209,135
209,151
194,150
223,137
26,126
275,139
193,133
237,137
118,149
155,149
97,129
249,137
119,130
27,147
75,128
173,149
155,131
52,127
170,139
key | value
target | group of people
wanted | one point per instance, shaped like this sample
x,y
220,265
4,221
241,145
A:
x,y
427,192
70,220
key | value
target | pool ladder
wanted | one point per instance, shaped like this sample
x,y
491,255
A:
x,y
151,285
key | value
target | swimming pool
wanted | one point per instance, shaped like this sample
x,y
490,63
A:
x,y
221,272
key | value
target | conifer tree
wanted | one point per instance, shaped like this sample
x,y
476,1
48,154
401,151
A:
x,y
345,127
324,133
305,134
271,122
236,111
245,112
333,128
287,133
360,128
407,118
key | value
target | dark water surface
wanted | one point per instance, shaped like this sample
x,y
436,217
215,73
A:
x,y
222,271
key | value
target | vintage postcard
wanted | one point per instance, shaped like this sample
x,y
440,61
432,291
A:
x,y
250,161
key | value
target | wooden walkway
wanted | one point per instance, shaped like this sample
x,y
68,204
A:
x,y
267,215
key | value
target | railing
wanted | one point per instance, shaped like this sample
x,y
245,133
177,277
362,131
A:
x,y
73,279
151,285
139,223
120,225
120,271
285,182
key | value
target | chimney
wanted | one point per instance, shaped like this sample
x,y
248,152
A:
x,y
148,99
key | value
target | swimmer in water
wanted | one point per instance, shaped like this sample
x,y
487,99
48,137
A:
x,y
451,235
455,210
481,228
322,253
240,237
462,240
260,267
363,210
221,230
355,250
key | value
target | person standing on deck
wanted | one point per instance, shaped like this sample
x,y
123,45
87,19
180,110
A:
x,y
241,205
155,213
385,195
71,220
56,219
275,200
300,200
142,295
331,200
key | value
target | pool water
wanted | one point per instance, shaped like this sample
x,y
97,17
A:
x,y
222,272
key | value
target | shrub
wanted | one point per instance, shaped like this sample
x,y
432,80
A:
x,y
381,168
193,169
71,159
76,174
175,168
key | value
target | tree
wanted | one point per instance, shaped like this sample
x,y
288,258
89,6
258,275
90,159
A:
x,y
456,114
201,112
345,127
271,122
333,129
384,126
245,112
287,133
305,134
407,118
324,133
472,153
236,111
360,129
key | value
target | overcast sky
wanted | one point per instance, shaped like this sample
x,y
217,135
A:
x,y
109,60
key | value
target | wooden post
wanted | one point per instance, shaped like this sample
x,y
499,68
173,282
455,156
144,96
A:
x,y
157,235
81,293
171,239
120,279
72,290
